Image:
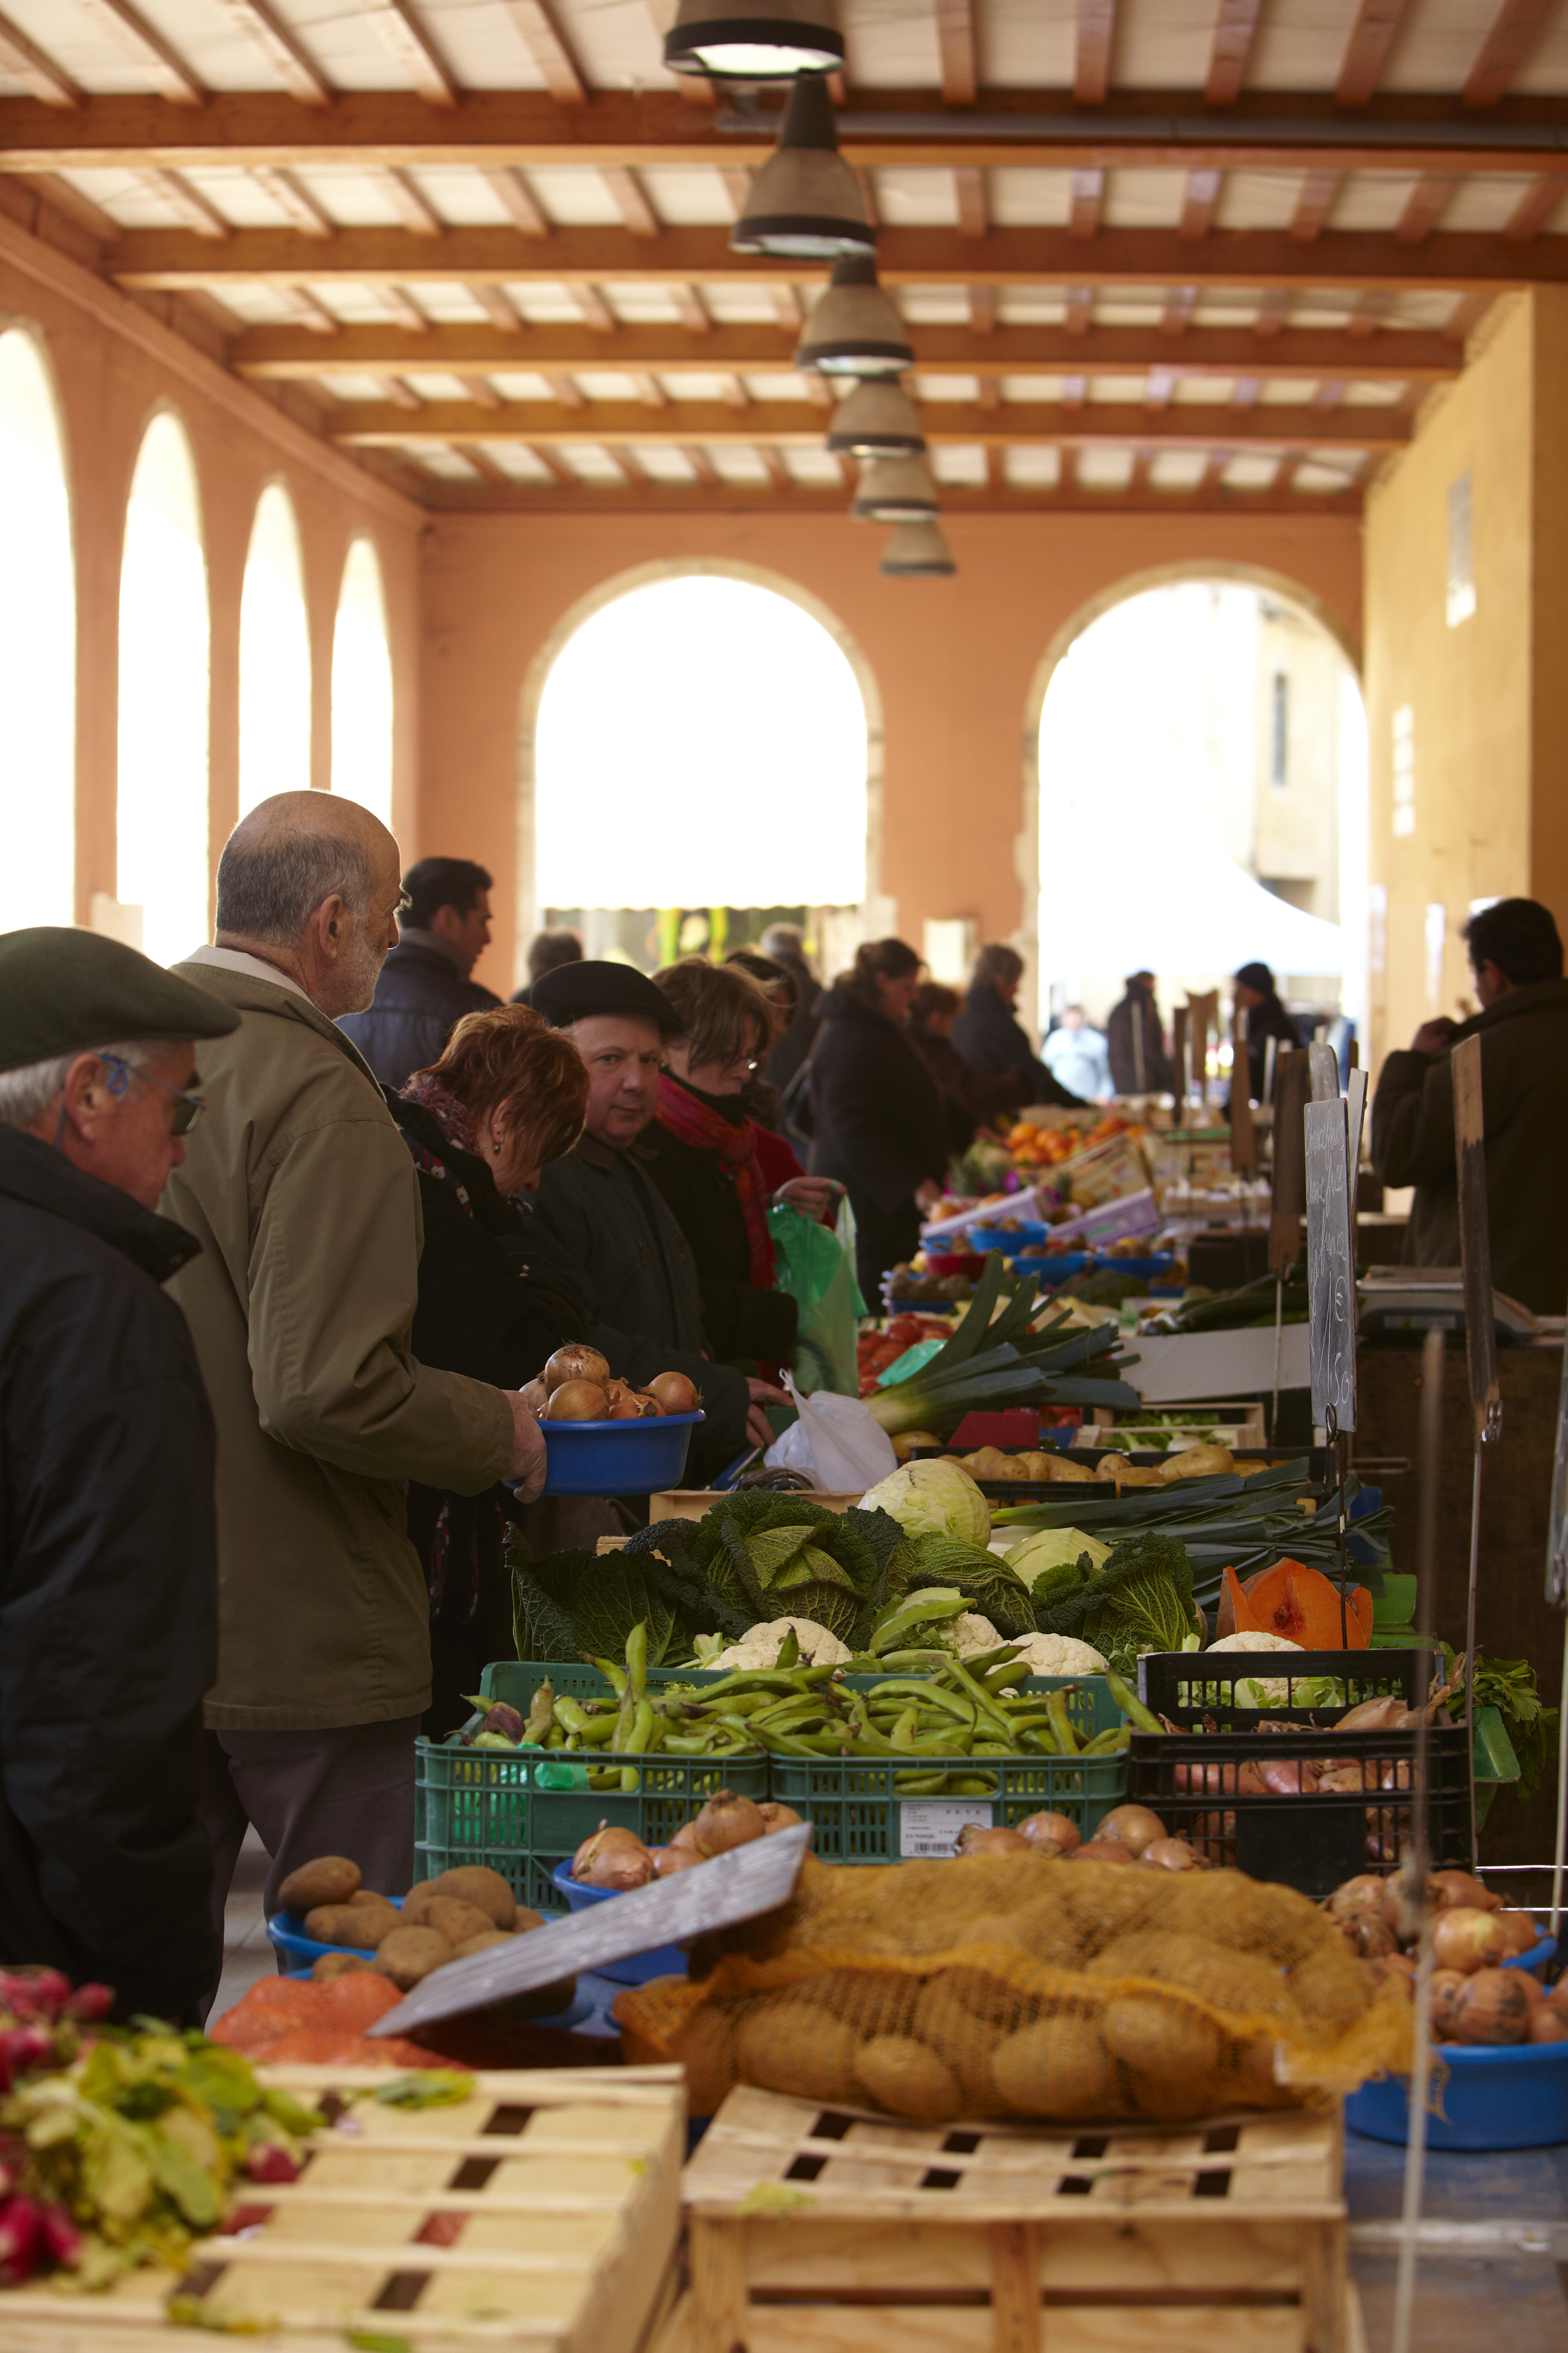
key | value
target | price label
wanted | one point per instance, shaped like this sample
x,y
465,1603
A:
x,y
931,1826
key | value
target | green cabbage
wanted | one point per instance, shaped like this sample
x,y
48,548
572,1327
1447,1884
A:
x,y
933,1499
1054,1548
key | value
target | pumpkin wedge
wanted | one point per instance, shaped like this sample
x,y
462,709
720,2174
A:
x,y
1298,1602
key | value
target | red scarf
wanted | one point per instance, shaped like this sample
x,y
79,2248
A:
x,y
686,1116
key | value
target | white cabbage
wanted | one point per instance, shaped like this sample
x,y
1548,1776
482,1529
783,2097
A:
x,y
933,1499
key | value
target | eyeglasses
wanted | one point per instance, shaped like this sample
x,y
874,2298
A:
x,y
188,1108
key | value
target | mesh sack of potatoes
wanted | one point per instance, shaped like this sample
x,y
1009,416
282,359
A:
x,y
1002,1984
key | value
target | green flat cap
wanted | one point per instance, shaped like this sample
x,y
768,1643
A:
x,y
64,992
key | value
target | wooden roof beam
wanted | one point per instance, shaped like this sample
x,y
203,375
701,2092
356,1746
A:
x,y
1198,203
973,212
1430,200
203,219
1092,59
1372,37
297,205
638,215
1233,35
407,40
955,48
282,48
146,47
1514,32
521,207
443,495
1316,200
36,71
1088,194
547,46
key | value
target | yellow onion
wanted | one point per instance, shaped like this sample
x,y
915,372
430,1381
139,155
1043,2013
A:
x,y
1102,1851
1362,1893
726,1821
974,1838
1447,1985
1468,1940
1047,1829
613,1858
669,1859
685,1837
1547,2022
777,1816
1170,1854
673,1393
1521,1931
1369,1936
577,1401
575,1362
1493,2007
1133,1827
1456,1890
1403,1902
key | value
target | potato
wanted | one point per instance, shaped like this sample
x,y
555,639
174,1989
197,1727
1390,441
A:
x,y
1170,2051
962,2042
1066,1473
328,1966
363,1926
1197,1463
420,1887
362,1896
329,1879
409,1954
526,1921
451,1918
796,2047
897,2072
478,1885
1058,2067
1244,1984
480,1943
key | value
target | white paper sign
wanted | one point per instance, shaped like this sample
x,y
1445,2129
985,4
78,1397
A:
x,y
931,1826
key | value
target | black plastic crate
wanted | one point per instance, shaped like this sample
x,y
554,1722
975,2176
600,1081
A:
x,y
1315,1840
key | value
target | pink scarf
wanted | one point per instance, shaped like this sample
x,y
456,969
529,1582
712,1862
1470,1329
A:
x,y
680,1111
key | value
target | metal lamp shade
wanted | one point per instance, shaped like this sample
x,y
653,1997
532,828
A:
x,y
896,489
806,201
918,550
754,40
878,419
854,328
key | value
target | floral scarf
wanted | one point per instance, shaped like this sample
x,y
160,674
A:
x,y
692,1117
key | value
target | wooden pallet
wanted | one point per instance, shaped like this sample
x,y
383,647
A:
x,y
829,2231
568,2184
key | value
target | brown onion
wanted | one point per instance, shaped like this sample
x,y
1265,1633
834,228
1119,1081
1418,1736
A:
x,y
1102,1851
647,1404
1170,1854
578,1401
1403,1902
613,1858
575,1362
1369,1936
1447,1986
975,1838
726,1821
1547,2022
1493,2007
1364,1892
1468,1941
1133,1827
776,1816
625,1409
669,1859
1047,1829
685,1836
673,1393
1456,1890
1372,1714
1521,1931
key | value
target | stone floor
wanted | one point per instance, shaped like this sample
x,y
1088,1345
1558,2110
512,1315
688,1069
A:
x,y
246,1955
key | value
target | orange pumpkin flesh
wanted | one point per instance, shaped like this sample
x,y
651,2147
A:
x,y
1298,1602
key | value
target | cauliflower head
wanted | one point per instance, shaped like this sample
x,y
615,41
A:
x,y
1059,1654
1270,1691
760,1646
970,1632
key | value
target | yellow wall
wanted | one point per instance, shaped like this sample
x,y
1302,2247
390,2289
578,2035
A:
x,y
1489,696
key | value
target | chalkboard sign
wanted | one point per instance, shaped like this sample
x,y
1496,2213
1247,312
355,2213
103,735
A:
x,y
1331,1276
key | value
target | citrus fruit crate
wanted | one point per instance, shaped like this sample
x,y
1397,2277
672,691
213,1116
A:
x,y
815,2230
871,1809
480,1805
539,2214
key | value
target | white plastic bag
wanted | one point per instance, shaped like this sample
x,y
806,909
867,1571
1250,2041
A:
x,y
838,1442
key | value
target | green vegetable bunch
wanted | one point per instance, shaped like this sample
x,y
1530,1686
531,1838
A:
x,y
1140,1599
1509,1686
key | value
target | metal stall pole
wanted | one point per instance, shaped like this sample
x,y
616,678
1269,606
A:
x,y
1480,1343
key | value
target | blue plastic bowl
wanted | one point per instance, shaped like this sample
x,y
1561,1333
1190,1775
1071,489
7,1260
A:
x,y
617,1458
287,1937
664,1961
1514,2098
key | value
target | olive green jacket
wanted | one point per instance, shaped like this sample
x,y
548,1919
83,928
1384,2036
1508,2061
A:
x,y
306,1203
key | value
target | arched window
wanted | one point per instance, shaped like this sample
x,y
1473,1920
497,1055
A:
x,y
163,669
274,658
361,687
37,647
700,742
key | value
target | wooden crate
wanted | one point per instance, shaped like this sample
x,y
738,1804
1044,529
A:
x,y
568,2181
813,2230
696,1503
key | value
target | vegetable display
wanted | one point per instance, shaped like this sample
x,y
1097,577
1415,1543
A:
x,y
1139,1598
1476,2000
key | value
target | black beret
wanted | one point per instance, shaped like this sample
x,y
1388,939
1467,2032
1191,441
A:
x,y
64,992
575,992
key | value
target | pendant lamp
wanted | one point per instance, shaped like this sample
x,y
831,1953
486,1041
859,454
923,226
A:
x,y
896,489
754,40
878,419
806,201
918,550
854,328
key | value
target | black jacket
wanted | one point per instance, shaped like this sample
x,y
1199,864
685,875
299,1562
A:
x,y
796,1044
744,1325
420,998
1263,1021
970,1098
990,1039
879,1125
602,1214
107,1591
1156,1076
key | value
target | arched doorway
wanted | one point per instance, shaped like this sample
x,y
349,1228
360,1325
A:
x,y
1198,748
699,756
274,657
37,646
163,687
361,687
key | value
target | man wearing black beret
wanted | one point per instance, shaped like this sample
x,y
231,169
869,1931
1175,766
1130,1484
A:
x,y
108,1529
604,1215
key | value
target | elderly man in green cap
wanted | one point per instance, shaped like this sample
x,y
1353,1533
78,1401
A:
x,y
108,1530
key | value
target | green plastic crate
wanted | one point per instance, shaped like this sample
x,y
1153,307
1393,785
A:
x,y
858,1815
480,1806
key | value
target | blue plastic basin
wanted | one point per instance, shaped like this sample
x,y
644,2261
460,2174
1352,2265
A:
x,y
617,1458
1513,2097
287,1938
664,1961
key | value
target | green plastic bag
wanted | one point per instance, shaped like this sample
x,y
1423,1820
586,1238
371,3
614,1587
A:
x,y
816,1267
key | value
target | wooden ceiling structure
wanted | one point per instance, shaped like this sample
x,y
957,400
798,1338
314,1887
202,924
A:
x,y
1150,255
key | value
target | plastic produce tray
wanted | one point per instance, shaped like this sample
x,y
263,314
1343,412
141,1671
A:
x,y
480,1806
1314,1842
1093,1709
859,1812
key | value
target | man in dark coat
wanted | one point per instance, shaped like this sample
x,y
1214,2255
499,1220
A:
x,y
424,988
990,1037
600,1209
1138,1062
1517,957
109,1536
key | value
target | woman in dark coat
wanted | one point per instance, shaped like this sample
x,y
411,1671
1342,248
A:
x,y
706,1158
878,1116
1266,1018
971,1099
990,1037
508,1096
